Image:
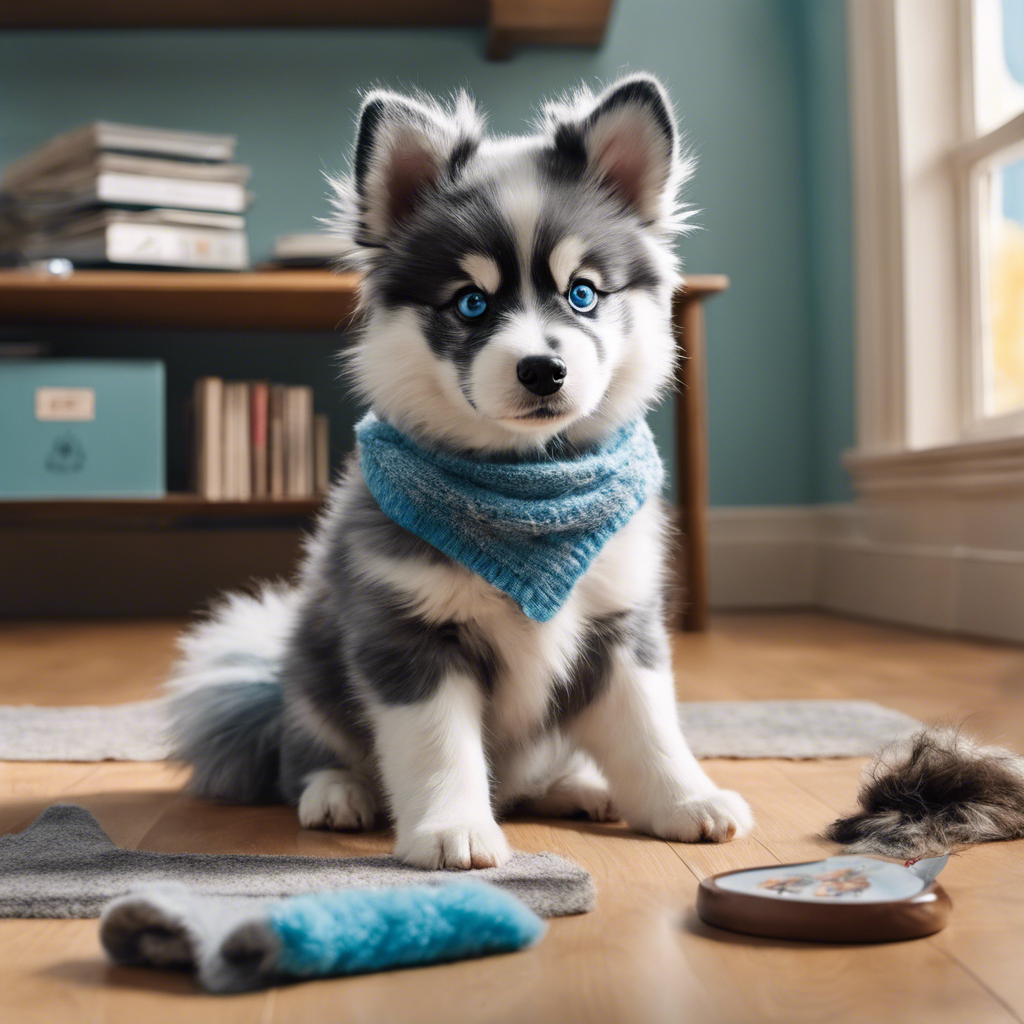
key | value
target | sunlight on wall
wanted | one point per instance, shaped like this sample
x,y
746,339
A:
x,y
1007,319
1006,310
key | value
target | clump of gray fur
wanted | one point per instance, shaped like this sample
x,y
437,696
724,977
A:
x,y
933,792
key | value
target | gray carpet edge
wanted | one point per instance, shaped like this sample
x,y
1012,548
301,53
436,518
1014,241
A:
x,y
64,865
788,729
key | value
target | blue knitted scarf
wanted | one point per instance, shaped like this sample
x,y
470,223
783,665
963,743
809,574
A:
x,y
529,527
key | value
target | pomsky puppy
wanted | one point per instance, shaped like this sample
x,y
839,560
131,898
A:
x,y
515,308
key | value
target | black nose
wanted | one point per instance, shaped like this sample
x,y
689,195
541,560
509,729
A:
x,y
541,375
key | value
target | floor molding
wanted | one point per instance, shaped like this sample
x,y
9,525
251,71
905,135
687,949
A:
x,y
763,556
857,560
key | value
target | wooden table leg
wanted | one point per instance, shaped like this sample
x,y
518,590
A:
x,y
692,458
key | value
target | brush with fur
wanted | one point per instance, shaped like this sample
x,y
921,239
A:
x,y
932,793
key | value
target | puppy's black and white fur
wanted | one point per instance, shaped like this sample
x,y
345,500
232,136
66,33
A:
x,y
392,678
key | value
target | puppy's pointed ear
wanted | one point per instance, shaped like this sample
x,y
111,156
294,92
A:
x,y
403,149
627,139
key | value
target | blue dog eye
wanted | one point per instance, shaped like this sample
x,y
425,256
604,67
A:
x,y
472,304
582,297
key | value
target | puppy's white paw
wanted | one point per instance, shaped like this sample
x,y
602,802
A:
x,y
455,847
337,800
717,817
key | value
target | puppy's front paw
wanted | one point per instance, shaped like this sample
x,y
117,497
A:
x,y
456,847
717,817
337,800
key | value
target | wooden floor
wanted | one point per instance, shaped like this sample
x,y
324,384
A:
x,y
642,955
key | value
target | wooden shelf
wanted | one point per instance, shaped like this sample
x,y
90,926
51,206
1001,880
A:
x,y
283,300
509,22
121,546
174,510
292,300
299,300
545,23
241,13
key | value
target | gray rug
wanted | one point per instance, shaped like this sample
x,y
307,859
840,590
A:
x,y
792,729
65,865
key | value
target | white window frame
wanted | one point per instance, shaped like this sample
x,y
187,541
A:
x,y
971,159
918,304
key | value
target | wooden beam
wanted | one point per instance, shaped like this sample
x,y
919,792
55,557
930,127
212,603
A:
x,y
240,13
542,22
510,22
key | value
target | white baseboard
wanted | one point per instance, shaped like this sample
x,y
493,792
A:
x,y
763,557
858,560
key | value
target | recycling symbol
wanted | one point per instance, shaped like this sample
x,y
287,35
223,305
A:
x,y
66,454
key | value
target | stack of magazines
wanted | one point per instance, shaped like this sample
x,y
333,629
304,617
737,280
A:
x,y
122,195
305,249
254,439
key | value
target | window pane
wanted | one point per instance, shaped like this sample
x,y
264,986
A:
x,y
998,61
1003,305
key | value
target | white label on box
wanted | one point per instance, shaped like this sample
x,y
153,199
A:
x,y
65,404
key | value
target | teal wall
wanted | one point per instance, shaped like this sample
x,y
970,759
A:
x,y
821,26
742,73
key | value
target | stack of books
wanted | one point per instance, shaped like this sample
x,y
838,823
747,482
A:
x,y
254,439
304,249
123,195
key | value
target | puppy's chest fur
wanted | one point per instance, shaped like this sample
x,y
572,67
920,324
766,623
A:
x,y
539,672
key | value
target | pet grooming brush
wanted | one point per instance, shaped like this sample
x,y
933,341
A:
x,y
839,899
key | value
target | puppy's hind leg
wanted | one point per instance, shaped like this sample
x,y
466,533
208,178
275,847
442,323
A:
x,y
582,790
324,773
552,779
337,799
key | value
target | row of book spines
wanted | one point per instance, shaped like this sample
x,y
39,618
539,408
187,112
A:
x,y
256,440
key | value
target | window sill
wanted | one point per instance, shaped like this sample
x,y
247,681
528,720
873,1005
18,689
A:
x,y
970,467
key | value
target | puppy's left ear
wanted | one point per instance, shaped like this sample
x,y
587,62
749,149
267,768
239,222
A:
x,y
628,141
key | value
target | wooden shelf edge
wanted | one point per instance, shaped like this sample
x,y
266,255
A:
x,y
174,509
311,300
698,286
25,14
515,23
509,23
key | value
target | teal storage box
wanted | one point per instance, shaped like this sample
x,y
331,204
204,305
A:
x,y
82,428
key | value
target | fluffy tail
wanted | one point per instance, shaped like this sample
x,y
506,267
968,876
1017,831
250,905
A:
x,y
226,711
932,793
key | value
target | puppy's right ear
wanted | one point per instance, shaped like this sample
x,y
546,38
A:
x,y
403,149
